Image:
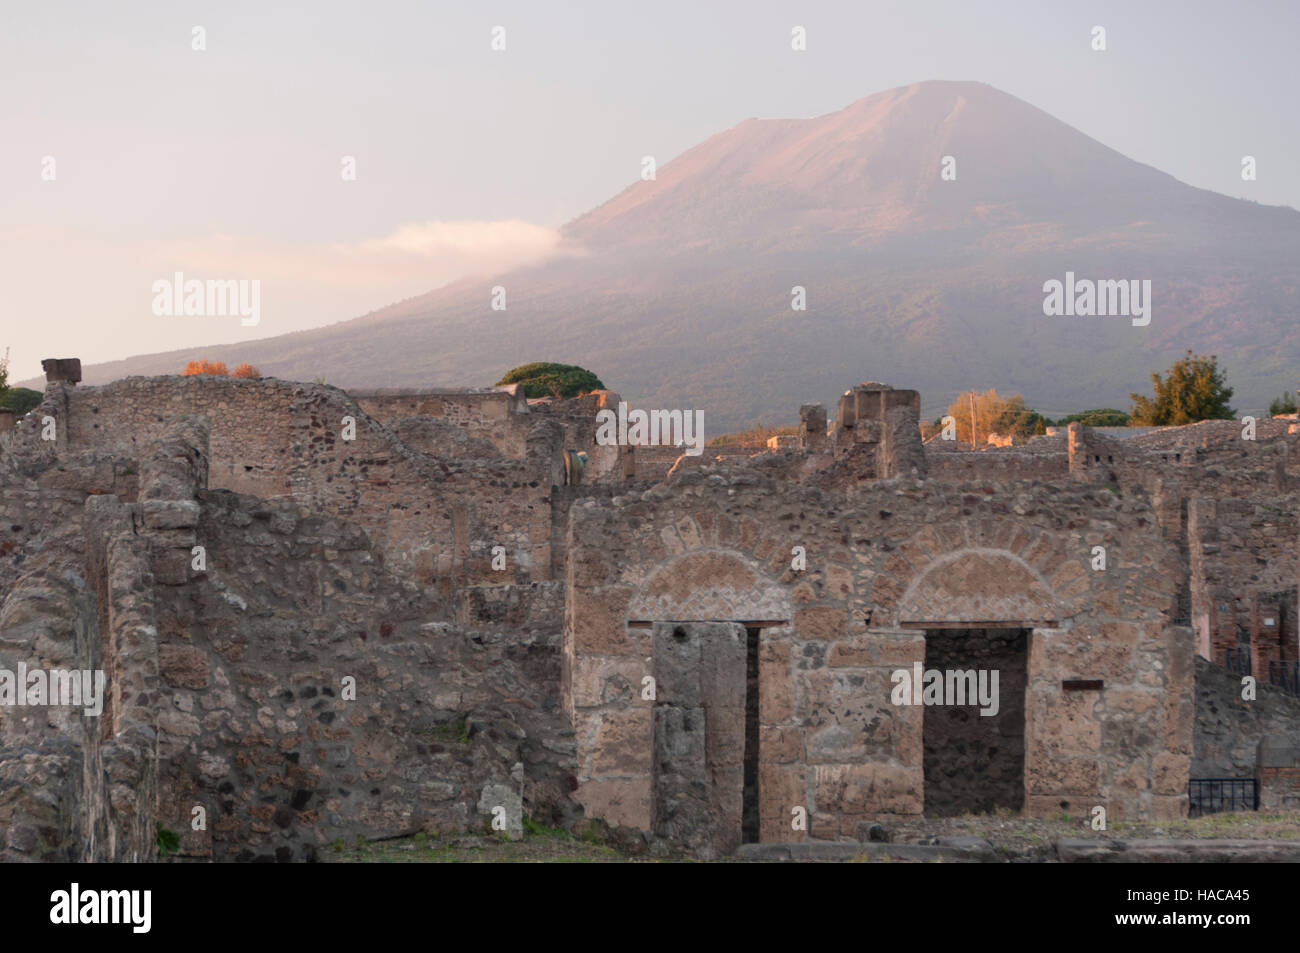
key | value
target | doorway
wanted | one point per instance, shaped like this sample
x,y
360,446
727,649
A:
x,y
975,763
706,733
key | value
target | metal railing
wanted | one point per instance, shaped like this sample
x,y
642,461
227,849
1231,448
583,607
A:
x,y
1285,675
1216,795
1236,658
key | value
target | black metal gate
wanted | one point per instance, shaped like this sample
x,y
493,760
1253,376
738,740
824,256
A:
x,y
1285,675
1236,658
1216,795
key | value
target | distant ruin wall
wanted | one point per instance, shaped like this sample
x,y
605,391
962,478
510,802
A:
x,y
1277,772
1242,555
499,417
274,438
955,466
502,418
1230,728
902,453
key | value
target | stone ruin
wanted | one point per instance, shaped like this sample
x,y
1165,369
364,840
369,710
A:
x,y
329,615
67,369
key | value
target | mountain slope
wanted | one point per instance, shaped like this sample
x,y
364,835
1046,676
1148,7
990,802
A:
x,y
678,290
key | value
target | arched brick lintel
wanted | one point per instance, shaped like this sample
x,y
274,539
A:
x,y
978,585
710,584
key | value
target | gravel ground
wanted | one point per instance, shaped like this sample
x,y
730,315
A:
x,y
549,847
1034,838
1017,839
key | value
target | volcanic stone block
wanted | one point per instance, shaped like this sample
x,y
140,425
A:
x,y
183,665
67,369
501,802
699,734
812,426
622,741
677,656
776,691
682,786
722,668
621,801
170,514
821,622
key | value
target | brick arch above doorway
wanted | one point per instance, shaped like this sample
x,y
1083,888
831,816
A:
x,y
710,584
976,586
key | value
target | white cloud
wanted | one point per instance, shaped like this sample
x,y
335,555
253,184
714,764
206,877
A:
x,y
77,293
470,238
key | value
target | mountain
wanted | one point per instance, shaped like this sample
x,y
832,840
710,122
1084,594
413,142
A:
x,y
677,291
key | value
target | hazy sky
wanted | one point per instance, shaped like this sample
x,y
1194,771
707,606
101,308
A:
x,y
225,162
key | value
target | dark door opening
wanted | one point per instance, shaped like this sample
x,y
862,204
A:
x,y
749,827
974,763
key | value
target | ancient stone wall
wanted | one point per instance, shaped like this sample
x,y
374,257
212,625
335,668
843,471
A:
x,y
461,424
578,416
121,760
1230,728
958,466
228,674
271,438
712,548
1229,503
74,597
260,727
47,621
653,464
1242,562
902,452
1277,773
498,416
876,432
511,633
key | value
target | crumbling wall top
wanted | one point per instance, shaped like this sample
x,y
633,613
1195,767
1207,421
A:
x,y
66,369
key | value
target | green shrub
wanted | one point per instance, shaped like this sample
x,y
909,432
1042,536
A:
x,y
168,841
546,379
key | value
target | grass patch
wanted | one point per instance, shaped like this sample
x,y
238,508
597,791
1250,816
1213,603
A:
x,y
169,842
534,828
542,844
454,732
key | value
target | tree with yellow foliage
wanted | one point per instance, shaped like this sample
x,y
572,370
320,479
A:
x,y
217,368
994,414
